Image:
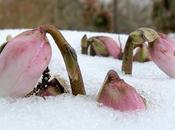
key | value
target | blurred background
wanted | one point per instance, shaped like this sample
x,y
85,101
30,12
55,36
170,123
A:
x,y
120,16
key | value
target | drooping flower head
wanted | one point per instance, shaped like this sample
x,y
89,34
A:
x,y
101,46
22,62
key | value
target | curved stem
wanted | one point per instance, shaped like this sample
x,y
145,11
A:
x,y
70,59
128,57
136,39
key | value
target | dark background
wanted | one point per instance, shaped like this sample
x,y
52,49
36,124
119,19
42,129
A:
x,y
121,16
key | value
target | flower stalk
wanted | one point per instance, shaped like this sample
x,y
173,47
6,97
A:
x,y
136,39
70,59
25,57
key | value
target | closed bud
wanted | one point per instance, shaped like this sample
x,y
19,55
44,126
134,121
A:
x,y
162,52
119,95
101,46
22,61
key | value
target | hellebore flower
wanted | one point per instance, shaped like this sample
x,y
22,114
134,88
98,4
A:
x,y
22,62
119,95
136,39
101,46
24,58
161,49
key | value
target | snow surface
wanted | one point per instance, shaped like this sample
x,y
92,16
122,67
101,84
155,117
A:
x,y
67,112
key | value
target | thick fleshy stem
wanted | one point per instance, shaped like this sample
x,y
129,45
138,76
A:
x,y
136,39
128,57
70,59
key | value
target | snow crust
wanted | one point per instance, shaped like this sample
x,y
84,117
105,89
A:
x,y
67,112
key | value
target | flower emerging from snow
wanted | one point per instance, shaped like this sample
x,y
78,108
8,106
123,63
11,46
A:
x,y
24,58
101,46
22,62
162,51
161,48
119,95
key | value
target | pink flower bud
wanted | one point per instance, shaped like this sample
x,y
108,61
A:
x,y
22,62
119,95
162,52
101,46
112,47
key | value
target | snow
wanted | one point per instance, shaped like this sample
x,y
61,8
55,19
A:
x,y
68,112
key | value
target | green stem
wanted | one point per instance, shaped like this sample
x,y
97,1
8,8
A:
x,y
128,57
70,59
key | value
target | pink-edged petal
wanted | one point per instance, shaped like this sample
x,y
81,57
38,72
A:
x,y
119,95
162,52
113,48
22,62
